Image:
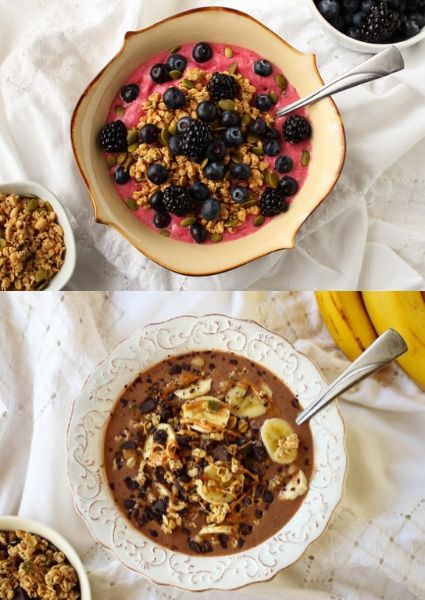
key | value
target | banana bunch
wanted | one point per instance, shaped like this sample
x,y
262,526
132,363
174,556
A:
x,y
355,319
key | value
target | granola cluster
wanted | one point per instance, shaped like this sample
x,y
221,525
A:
x,y
32,567
191,457
31,243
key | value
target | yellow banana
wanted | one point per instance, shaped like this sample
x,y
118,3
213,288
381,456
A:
x,y
347,321
404,312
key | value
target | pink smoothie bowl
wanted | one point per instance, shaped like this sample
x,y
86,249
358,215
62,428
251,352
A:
x,y
230,27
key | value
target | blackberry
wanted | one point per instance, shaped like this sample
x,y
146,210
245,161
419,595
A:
x,y
272,202
196,138
296,129
222,86
177,200
113,137
380,23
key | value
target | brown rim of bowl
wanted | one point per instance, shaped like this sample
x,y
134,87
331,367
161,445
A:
x,y
159,583
118,227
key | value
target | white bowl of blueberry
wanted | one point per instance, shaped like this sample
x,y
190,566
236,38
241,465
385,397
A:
x,y
372,25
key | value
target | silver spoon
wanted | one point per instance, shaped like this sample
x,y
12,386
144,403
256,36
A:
x,y
384,350
386,62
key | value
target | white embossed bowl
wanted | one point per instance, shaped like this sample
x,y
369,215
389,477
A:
x,y
92,495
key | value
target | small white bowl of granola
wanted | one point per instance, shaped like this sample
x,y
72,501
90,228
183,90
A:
x,y
39,563
37,245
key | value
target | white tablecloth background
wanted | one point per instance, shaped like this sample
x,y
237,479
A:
x,y
369,233
374,548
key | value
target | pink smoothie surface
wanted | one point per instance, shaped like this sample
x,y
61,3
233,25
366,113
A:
x,y
219,62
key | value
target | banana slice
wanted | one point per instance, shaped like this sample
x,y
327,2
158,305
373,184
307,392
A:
x,y
149,444
280,440
218,485
296,486
244,403
200,388
205,414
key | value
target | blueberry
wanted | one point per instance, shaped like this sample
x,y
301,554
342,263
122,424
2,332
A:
x,y
183,124
157,173
198,233
159,73
367,5
338,22
239,194
258,127
348,18
358,19
354,32
202,52
206,111
288,186
351,5
271,148
214,171
173,98
121,176
199,191
284,164
130,92
410,27
175,144
233,136
176,62
155,201
271,134
216,151
229,119
241,171
263,67
263,102
329,8
149,133
161,220
210,209
419,19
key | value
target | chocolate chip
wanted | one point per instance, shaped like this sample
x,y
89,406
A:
x,y
129,503
241,542
135,513
147,406
185,531
241,441
112,485
245,528
183,440
206,547
160,506
175,370
153,532
258,513
295,403
128,445
131,484
160,475
233,361
268,497
259,453
124,402
246,501
259,491
194,546
211,366
220,453
166,414
186,367
160,436
223,539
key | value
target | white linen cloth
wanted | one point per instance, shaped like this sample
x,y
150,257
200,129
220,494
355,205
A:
x,y
370,233
374,547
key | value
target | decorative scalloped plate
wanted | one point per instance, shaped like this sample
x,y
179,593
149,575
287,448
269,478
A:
x,y
92,495
228,26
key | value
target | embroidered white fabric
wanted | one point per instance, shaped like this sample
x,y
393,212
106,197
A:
x,y
374,547
369,233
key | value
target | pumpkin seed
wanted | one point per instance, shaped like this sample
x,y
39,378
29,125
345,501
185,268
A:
x,y
231,222
131,203
29,196
251,138
227,175
271,178
132,136
128,162
204,164
2,242
233,68
281,81
175,74
111,160
32,204
164,233
258,151
187,221
305,158
172,130
258,221
133,147
40,275
48,206
235,158
42,286
216,237
120,111
250,203
228,52
175,49
273,97
164,136
187,84
246,119
121,158
227,105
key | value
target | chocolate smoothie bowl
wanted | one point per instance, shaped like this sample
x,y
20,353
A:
x,y
180,148
185,459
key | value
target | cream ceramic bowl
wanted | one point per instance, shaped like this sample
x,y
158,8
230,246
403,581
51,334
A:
x,y
86,434
219,25
352,44
9,523
59,281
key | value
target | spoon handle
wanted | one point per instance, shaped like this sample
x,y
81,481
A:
x,y
384,350
386,62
